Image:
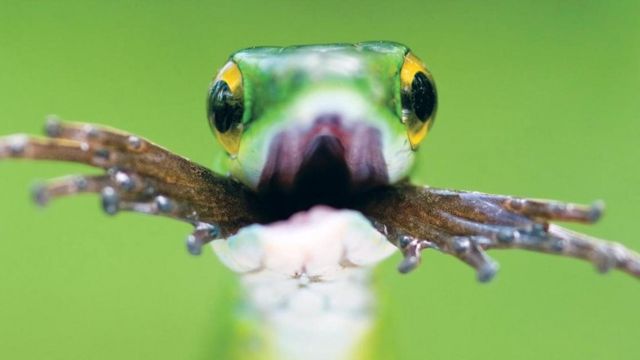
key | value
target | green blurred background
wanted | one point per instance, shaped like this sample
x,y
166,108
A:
x,y
537,98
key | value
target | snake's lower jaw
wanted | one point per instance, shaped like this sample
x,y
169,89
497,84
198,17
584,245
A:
x,y
319,243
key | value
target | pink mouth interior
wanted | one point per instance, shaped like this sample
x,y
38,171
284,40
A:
x,y
324,164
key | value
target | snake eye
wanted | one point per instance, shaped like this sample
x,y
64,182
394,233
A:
x,y
419,99
225,107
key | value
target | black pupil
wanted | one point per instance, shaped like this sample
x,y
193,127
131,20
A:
x,y
424,97
223,110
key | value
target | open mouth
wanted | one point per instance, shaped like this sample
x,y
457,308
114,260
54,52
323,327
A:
x,y
326,163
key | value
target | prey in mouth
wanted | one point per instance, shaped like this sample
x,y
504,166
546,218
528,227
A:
x,y
309,126
142,177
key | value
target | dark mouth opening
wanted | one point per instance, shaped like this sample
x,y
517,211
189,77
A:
x,y
323,178
327,164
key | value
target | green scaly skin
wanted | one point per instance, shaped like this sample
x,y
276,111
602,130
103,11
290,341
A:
x,y
276,80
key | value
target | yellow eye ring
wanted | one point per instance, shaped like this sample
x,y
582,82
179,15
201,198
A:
x,y
419,99
225,107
